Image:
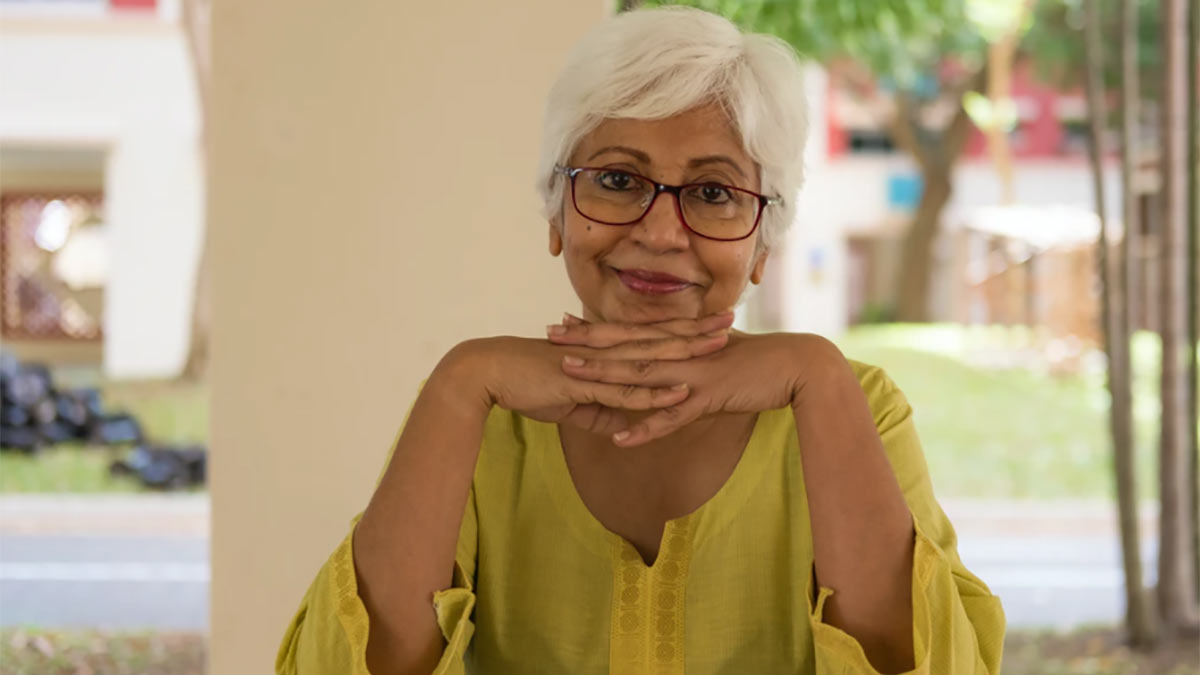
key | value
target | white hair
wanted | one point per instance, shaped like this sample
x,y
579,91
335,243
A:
x,y
657,63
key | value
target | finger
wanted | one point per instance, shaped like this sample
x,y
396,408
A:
x,y
627,396
571,320
669,349
643,372
701,326
659,424
597,419
603,335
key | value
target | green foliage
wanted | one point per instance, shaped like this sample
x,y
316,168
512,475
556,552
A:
x,y
1055,42
898,40
903,41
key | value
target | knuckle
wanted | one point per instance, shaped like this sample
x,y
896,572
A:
x,y
671,413
628,391
643,344
643,367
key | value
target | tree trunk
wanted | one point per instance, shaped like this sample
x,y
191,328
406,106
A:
x,y
1138,617
916,266
1114,318
936,160
1176,580
1193,274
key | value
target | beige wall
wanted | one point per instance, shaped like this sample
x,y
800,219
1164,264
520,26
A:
x,y
370,205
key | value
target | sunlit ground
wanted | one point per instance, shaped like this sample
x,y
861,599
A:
x,y
36,652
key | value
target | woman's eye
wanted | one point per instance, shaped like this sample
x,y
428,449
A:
x,y
616,180
714,194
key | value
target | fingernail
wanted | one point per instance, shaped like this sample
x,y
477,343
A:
x,y
572,360
571,319
620,436
680,387
555,329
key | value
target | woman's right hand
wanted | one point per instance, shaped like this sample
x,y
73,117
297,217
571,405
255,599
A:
x,y
525,375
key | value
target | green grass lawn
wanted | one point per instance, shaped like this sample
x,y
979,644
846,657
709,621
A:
x,y
168,411
1011,432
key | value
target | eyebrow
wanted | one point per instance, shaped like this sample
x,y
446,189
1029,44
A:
x,y
717,159
645,159
636,154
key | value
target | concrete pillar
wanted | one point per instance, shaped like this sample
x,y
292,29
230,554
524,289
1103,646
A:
x,y
370,204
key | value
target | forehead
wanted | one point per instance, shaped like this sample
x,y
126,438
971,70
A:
x,y
671,141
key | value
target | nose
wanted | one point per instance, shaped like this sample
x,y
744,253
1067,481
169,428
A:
x,y
662,229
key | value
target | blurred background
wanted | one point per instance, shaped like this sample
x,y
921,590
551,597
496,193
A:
x,y
284,214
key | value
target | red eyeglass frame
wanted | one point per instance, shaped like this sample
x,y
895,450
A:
x,y
764,201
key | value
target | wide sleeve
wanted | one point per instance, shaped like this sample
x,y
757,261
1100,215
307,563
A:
x,y
329,632
958,625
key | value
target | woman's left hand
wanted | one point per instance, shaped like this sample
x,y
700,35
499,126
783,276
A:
x,y
752,373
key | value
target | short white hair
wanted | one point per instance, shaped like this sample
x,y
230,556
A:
x,y
657,63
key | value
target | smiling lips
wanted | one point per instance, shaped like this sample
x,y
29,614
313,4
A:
x,y
651,283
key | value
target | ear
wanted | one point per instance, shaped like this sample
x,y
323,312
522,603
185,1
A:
x,y
556,240
760,264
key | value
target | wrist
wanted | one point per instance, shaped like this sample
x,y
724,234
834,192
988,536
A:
x,y
460,379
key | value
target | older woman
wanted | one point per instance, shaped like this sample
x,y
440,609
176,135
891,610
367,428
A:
x,y
647,490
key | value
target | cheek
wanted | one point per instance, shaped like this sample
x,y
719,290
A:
x,y
730,268
587,241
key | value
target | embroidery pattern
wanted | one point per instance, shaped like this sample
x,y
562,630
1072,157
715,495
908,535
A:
x,y
648,605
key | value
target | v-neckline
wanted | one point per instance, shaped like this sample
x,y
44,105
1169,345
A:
x,y
714,513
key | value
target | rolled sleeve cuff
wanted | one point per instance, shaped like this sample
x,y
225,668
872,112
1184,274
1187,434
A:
x,y
454,606
837,653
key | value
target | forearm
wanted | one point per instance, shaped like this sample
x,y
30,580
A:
x,y
861,526
405,544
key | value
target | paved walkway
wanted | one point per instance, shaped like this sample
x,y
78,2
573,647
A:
x,y
141,561
107,514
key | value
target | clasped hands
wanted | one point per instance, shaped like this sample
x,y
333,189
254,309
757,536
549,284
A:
x,y
676,371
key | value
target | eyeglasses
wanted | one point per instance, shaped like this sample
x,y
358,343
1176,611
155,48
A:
x,y
711,210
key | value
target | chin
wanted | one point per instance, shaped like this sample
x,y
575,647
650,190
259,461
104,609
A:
x,y
648,311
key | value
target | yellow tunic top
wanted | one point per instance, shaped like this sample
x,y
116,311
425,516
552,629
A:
x,y
540,586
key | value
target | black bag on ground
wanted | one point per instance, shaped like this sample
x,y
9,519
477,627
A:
x,y
114,429
24,439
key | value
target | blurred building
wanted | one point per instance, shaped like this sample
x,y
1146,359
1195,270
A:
x,y
843,254
101,183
